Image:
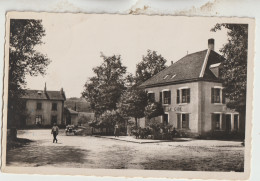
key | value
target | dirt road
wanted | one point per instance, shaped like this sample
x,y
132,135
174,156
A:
x,y
92,152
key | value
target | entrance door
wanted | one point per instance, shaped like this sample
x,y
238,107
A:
x,y
228,122
165,119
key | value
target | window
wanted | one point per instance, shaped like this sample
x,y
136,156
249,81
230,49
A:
x,y
38,119
236,122
39,106
165,76
183,121
165,119
151,97
184,97
54,107
160,97
53,119
167,97
179,121
216,95
216,121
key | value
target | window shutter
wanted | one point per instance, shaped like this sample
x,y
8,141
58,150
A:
x,y
188,95
223,122
187,120
212,122
212,95
223,97
179,121
170,95
160,97
178,96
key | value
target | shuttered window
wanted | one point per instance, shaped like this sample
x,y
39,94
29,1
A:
x,y
185,121
167,97
216,96
151,97
184,97
215,122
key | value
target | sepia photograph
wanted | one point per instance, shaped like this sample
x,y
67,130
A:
x,y
128,93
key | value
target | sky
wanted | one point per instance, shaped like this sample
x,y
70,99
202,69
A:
x,y
74,42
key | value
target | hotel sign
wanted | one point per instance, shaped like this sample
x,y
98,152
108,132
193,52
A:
x,y
176,109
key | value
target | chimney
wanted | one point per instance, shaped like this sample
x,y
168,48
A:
x,y
211,44
171,62
45,88
61,91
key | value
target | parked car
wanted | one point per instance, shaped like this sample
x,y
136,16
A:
x,y
70,130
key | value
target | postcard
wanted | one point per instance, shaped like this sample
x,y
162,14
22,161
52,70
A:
x,y
128,95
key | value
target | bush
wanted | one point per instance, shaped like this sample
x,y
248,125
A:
x,y
142,133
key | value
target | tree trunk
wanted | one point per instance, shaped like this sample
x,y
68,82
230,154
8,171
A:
x,y
136,122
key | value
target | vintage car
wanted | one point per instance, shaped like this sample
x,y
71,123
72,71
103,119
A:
x,y
74,130
70,130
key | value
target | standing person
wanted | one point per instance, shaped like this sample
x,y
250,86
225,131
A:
x,y
116,131
55,132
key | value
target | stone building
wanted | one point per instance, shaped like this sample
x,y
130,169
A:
x,y
43,107
191,93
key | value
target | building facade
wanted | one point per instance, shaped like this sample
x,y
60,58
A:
x,y
191,93
43,108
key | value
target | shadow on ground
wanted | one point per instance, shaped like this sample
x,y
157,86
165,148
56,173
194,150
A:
x,y
46,155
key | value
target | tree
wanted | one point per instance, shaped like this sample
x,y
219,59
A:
x,y
24,60
132,103
105,88
151,64
153,109
84,119
234,68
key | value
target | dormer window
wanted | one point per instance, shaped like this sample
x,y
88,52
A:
x,y
165,76
173,76
215,69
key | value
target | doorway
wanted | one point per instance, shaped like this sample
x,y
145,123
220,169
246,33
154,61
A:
x,y
165,119
228,122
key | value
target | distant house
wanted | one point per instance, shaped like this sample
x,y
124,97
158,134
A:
x,y
71,117
43,107
191,93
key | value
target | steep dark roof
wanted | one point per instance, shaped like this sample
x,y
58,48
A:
x,y
186,69
41,95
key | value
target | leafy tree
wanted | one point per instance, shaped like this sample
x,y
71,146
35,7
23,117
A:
x,y
24,60
151,64
105,88
234,69
132,103
84,119
153,109
110,118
